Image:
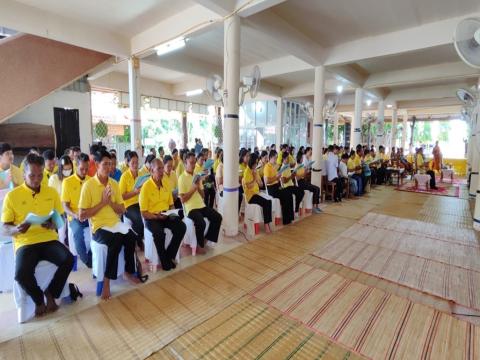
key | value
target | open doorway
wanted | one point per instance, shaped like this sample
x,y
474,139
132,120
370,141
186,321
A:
x,y
67,131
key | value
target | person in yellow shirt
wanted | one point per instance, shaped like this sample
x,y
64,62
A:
x,y
129,193
50,166
156,198
420,164
70,197
219,175
65,169
124,165
101,202
191,195
171,177
382,160
34,243
181,164
218,154
263,160
272,182
145,169
176,159
354,165
304,184
242,166
287,180
251,187
13,175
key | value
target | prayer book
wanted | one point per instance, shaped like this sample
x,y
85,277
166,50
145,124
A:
x,y
53,215
141,180
283,168
208,164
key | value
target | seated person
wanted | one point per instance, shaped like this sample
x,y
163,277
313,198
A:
x,y
343,174
382,160
191,194
171,177
303,176
209,180
102,203
251,182
124,165
72,186
420,164
50,165
263,160
272,181
242,166
155,198
354,166
115,173
287,183
331,164
130,196
145,170
34,243
14,176
219,174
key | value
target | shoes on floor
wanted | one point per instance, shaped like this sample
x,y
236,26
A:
x,y
317,211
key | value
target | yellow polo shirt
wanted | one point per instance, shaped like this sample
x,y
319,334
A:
x,y
143,171
176,160
180,169
55,182
71,189
198,169
248,177
91,195
21,201
287,173
301,173
215,164
127,184
172,180
241,169
154,199
185,183
17,175
270,171
123,167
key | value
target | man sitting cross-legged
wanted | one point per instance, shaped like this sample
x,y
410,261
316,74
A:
x,y
34,243
101,202
156,198
191,194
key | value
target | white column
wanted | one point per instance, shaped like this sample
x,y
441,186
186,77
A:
x,y
135,104
356,128
184,130
380,124
231,70
317,129
394,127
404,132
335,128
475,156
279,124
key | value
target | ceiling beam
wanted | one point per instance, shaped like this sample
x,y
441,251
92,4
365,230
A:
x,y
255,6
183,23
425,92
185,64
280,66
286,36
411,39
219,7
421,75
31,20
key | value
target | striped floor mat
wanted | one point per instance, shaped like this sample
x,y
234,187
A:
x,y
250,329
372,322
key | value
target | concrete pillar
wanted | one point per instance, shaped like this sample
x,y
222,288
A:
x,y
184,130
404,132
356,130
380,140
279,124
135,104
218,111
317,130
475,156
335,128
394,127
231,70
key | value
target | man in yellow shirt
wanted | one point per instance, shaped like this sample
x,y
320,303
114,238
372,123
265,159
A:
x,y
13,174
354,165
71,189
420,164
191,195
287,183
171,177
35,243
102,203
50,165
156,198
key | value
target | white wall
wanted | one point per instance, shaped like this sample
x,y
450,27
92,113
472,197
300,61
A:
x,y
41,113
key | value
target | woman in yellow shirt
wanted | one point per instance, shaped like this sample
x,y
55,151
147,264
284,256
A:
x,y
287,179
272,178
304,184
130,196
156,198
251,182
261,166
171,177
242,165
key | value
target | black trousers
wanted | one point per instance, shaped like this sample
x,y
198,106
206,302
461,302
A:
x,y
338,188
209,196
305,185
134,215
27,258
178,229
299,194
432,178
215,220
177,203
240,198
266,205
286,202
114,242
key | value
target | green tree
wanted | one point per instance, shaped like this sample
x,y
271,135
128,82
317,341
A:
x,y
444,130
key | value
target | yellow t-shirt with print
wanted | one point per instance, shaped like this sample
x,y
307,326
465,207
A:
x,y
270,171
185,183
154,199
71,189
286,173
127,184
91,196
241,169
247,178
21,201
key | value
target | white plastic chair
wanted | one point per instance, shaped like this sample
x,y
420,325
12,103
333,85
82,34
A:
x,y
253,217
87,236
7,264
25,306
190,236
276,207
99,263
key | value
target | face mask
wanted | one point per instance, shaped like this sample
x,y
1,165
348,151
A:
x,y
67,173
